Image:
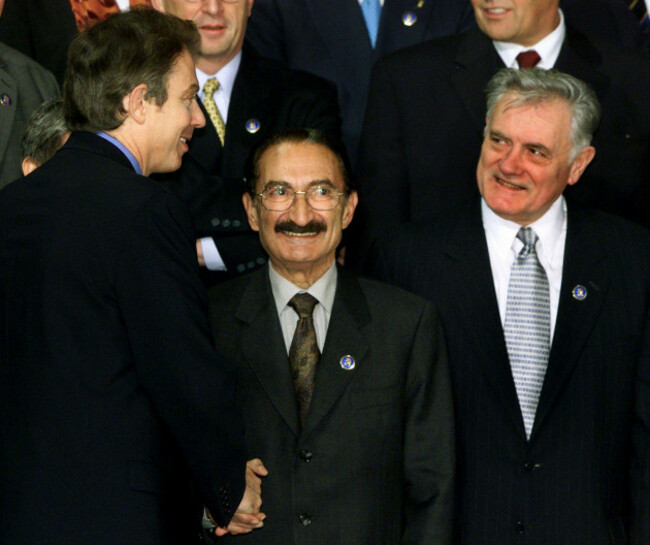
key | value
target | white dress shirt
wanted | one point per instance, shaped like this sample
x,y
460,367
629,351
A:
x,y
548,48
323,290
503,247
221,96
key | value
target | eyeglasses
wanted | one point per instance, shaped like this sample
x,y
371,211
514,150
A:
x,y
278,198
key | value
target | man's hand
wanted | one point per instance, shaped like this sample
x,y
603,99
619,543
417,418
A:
x,y
199,254
248,516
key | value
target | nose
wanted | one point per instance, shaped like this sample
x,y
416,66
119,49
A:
x,y
212,6
510,163
300,210
198,119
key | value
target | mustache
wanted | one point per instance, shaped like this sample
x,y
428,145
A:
x,y
289,226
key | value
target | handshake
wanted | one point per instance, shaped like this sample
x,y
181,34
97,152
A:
x,y
247,517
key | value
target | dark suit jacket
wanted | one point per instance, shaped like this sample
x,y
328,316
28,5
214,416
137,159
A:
x,y
41,29
106,365
425,119
211,180
583,478
373,464
330,39
27,85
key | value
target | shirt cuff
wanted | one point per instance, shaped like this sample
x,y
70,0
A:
x,y
211,255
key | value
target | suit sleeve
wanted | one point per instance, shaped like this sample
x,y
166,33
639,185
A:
x,y
384,195
190,386
429,449
640,466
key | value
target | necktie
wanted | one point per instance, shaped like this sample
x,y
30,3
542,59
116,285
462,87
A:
x,y
304,353
211,107
640,11
371,10
528,59
88,12
527,325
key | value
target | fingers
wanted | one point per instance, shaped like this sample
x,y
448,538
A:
x,y
257,466
242,523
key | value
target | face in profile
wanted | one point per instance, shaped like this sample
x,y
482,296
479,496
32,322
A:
x,y
300,238
524,22
525,158
221,23
171,125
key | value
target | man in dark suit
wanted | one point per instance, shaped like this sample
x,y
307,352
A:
x,y
253,98
24,85
358,441
426,114
553,443
332,40
111,394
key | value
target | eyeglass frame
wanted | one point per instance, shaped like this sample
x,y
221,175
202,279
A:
x,y
204,1
295,192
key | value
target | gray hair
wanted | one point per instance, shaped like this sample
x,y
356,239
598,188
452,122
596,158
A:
x,y
44,132
535,85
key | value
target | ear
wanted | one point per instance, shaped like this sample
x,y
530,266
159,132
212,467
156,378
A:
x,y
348,209
251,212
28,166
135,104
250,6
580,164
158,5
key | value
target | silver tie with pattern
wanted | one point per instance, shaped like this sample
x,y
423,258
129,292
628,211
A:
x,y
528,325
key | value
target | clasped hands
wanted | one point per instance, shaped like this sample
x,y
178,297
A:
x,y
248,516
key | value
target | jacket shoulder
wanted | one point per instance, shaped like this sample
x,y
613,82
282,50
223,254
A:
x,y
21,67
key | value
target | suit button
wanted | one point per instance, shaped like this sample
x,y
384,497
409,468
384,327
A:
x,y
241,268
304,455
260,260
236,223
530,466
251,264
519,527
225,223
215,222
304,519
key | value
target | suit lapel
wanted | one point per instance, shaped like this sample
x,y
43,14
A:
x,y
250,100
345,336
205,146
476,62
7,113
585,264
471,279
263,347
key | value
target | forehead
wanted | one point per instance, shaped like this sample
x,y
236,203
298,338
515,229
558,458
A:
x,y
182,75
181,8
552,115
300,164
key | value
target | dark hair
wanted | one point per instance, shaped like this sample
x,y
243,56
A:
x,y
295,136
107,61
44,132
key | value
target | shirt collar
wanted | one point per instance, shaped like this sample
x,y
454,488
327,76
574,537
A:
x,y
123,149
323,289
226,77
548,48
549,229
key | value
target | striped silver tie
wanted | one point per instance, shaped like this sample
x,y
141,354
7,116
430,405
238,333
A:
x,y
528,325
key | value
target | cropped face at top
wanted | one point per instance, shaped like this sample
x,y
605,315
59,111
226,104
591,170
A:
x,y
524,22
301,207
171,125
221,23
524,164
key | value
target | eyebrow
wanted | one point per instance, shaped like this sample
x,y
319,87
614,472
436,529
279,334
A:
x,y
533,145
311,184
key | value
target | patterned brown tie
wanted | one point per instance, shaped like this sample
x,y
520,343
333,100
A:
x,y
211,107
528,59
304,353
88,12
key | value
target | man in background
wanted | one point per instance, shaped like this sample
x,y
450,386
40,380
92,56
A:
x,y
245,98
45,133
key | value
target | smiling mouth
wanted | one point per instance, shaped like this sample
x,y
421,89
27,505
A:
x,y
294,234
502,182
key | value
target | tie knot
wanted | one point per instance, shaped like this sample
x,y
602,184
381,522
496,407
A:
x,y
528,59
211,86
529,238
303,304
